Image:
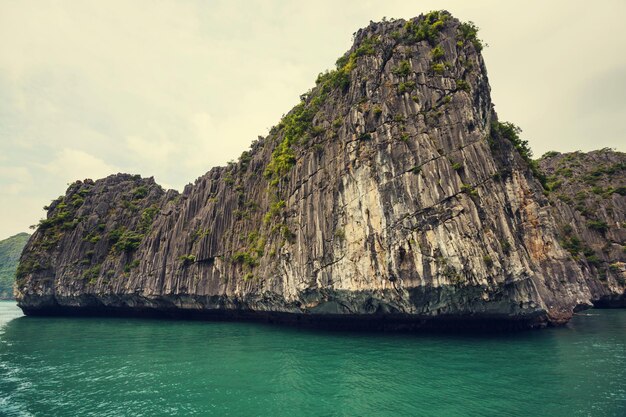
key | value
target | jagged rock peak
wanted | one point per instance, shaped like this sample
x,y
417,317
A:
x,y
391,195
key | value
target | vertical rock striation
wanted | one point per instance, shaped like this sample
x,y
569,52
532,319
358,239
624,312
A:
x,y
588,192
390,195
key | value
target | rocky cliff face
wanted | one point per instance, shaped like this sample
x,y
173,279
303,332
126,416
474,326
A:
x,y
90,238
390,194
588,192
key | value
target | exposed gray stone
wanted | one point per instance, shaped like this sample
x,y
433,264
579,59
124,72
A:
x,y
588,192
400,205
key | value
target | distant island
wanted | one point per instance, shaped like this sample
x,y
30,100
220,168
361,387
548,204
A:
x,y
391,197
10,251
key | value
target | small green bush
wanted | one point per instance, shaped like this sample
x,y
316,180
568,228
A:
x,y
91,274
425,28
274,209
468,189
367,46
77,201
406,87
506,246
403,69
572,244
437,53
200,234
510,132
439,68
28,266
187,259
283,158
553,184
593,260
244,258
549,154
564,198
287,234
598,226
130,266
147,217
61,216
124,240
463,85
140,192
468,31
92,237
597,189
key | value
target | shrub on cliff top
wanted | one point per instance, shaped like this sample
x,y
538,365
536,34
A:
x,y
426,28
549,154
510,132
297,125
340,77
468,31
140,192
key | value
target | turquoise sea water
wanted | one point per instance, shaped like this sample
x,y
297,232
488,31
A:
x,y
133,367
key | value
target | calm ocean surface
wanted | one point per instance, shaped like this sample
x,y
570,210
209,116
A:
x,y
133,367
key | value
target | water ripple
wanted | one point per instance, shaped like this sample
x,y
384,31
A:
x,y
118,367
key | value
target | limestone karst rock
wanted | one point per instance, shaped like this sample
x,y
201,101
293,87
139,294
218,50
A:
x,y
391,195
588,193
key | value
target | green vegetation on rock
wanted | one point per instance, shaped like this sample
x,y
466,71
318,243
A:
x,y
124,240
297,126
468,31
426,28
10,251
403,69
187,259
510,132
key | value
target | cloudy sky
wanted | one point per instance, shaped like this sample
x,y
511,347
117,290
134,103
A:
x,y
171,88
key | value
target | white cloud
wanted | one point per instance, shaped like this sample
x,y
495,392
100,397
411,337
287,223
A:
x,y
73,164
157,149
14,180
